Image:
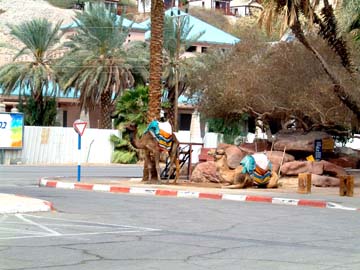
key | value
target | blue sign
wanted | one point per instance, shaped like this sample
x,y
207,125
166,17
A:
x,y
318,149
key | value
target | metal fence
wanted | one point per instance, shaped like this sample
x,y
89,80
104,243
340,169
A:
x,y
58,145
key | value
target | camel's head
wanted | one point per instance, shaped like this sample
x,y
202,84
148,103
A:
x,y
217,153
131,127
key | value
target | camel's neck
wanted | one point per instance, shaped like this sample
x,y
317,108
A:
x,y
134,141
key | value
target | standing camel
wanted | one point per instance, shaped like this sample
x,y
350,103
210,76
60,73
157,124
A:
x,y
150,145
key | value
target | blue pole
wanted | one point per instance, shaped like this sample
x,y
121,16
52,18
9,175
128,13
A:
x,y
79,158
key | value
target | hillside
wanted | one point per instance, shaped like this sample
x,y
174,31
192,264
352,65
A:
x,y
18,11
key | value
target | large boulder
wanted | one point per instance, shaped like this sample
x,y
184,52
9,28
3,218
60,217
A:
x,y
324,181
296,167
276,157
204,172
233,156
259,145
313,167
332,169
299,141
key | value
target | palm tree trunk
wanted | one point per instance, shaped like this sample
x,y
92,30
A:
x,y
338,89
156,58
105,110
156,64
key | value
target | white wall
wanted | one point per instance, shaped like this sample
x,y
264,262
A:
x,y
207,4
58,145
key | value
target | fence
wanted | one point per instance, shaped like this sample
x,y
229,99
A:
x,y
58,145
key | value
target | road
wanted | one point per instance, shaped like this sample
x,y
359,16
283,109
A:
x,y
95,230
22,175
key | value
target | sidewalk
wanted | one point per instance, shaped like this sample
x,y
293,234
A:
x,y
286,194
11,204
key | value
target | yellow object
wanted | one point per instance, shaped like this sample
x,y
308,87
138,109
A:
x,y
310,158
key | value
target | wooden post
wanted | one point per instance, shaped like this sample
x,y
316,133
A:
x,y
346,185
304,183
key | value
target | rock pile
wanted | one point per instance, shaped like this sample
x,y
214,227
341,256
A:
x,y
293,161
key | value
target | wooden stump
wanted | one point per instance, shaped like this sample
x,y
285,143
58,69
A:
x,y
346,185
304,183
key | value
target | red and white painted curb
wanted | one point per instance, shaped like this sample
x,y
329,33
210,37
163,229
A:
x,y
192,194
12,204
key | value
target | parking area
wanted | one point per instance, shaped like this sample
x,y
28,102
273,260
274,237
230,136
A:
x,y
20,226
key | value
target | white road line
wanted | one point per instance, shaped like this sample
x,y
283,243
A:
x,y
75,234
20,230
37,224
91,223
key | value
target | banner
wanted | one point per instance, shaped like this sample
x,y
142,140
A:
x,y
11,130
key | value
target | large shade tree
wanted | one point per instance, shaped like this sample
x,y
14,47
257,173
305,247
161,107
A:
x,y
281,84
32,68
97,65
290,14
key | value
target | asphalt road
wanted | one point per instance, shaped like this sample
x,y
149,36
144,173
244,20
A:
x,y
22,175
95,230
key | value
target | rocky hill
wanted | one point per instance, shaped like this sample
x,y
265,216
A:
x,y
18,11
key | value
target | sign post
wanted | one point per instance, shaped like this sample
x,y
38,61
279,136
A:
x,y
79,127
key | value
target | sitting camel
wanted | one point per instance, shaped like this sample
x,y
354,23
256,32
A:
x,y
237,178
150,145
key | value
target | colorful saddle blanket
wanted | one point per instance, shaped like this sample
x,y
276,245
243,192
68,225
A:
x,y
258,166
162,132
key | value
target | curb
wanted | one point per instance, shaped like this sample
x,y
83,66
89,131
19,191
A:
x,y
23,204
193,194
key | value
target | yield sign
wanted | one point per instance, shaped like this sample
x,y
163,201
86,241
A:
x,y
79,126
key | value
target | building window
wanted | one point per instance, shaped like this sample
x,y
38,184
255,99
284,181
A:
x,y
185,121
204,49
64,118
191,49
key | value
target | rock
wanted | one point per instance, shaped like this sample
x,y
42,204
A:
x,y
324,181
331,168
233,156
299,141
276,157
346,162
204,172
296,167
258,146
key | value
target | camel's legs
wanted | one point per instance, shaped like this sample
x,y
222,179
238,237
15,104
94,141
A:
x,y
149,165
273,183
157,161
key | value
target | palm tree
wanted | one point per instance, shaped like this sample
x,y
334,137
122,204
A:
x,y
97,65
177,40
156,60
38,39
290,12
156,65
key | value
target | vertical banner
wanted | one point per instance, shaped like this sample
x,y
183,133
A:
x,y
11,130
318,149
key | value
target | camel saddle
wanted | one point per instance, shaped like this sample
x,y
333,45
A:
x,y
258,166
162,132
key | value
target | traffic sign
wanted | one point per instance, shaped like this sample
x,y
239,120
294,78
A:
x,y
79,126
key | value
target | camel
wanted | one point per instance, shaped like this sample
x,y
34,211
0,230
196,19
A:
x,y
150,145
234,178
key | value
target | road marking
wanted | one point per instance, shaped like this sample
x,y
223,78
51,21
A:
x,y
37,224
83,228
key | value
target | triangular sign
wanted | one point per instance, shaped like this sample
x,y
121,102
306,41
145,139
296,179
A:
x,y
80,127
